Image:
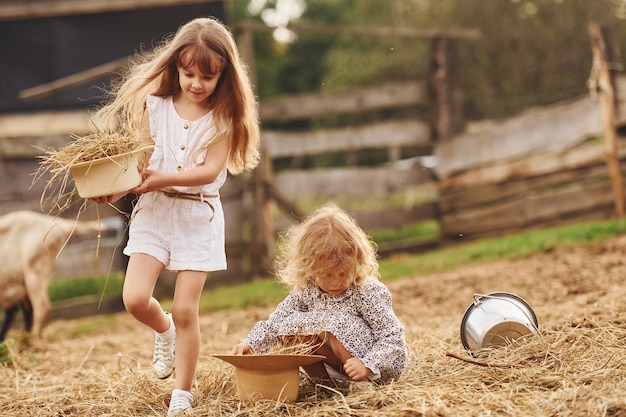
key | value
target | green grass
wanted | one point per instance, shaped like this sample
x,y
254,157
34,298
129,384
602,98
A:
x,y
63,289
421,230
507,247
268,291
5,357
259,292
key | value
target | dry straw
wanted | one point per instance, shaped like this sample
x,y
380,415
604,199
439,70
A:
x,y
573,370
576,366
55,165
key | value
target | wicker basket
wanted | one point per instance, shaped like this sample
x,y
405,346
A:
x,y
107,176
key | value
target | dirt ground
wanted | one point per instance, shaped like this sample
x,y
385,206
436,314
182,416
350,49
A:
x,y
575,367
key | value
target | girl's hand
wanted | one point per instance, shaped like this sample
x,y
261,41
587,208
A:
x,y
242,349
108,199
356,369
150,181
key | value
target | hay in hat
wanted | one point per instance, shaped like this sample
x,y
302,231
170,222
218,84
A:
x,y
101,163
575,366
274,375
269,376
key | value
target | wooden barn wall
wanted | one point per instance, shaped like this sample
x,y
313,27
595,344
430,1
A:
x,y
50,42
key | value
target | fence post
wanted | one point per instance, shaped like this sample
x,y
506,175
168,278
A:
x,y
444,86
602,79
261,239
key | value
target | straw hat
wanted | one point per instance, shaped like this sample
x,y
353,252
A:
x,y
107,176
272,377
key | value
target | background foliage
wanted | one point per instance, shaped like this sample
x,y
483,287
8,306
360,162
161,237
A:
x,y
530,52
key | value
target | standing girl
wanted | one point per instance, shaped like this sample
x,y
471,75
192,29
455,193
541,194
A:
x,y
192,99
336,302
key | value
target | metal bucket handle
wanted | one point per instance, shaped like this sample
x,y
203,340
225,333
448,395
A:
x,y
532,320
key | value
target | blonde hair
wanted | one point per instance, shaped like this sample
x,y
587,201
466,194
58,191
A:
x,y
327,240
209,44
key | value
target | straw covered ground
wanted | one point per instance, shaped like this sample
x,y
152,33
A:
x,y
575,367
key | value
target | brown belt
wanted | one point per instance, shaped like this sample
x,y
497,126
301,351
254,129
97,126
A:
x,y
195,197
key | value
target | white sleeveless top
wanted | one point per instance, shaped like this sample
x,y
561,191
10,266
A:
x,y
177,142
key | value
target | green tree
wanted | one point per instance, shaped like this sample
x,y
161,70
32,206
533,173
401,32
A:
x,y
531,52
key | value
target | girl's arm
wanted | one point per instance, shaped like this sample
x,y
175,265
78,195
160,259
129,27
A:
x,y
264,335
205,174
388,355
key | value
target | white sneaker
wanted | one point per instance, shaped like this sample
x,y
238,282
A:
x,y
163,356
179,405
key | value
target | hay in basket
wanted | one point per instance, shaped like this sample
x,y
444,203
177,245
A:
x,y
99,163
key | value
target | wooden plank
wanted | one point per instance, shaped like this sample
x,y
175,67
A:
x,y
387,249
575,198
385,31
43,124
31,147
285,108
377,135
81,77
34,9
349,182
535,165
82,260
85,307
380,219
531,210
556,127
454,200
395,217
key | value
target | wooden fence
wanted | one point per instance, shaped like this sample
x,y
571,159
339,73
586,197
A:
x,y
365,189
290,191
544,167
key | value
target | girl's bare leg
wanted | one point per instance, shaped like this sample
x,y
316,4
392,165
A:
x,y
185,309
141,277
336,355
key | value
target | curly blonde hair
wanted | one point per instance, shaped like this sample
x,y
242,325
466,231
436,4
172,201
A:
x,y
327,240
209,44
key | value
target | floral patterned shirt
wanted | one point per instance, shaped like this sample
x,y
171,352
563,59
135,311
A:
x,y
361,318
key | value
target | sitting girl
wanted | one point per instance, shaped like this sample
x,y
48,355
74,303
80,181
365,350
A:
x,y
336,301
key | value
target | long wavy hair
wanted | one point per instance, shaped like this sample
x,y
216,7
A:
x,y
327,240
209,44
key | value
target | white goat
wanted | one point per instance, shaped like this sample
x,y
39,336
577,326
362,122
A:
x,y
29,245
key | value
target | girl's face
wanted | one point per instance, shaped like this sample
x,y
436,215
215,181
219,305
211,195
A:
x,y
195,85
335,282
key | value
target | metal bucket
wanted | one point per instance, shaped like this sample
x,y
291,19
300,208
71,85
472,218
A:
x,y
496,319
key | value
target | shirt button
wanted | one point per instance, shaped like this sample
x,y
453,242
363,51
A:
x,y
182,147
179,168
186,126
